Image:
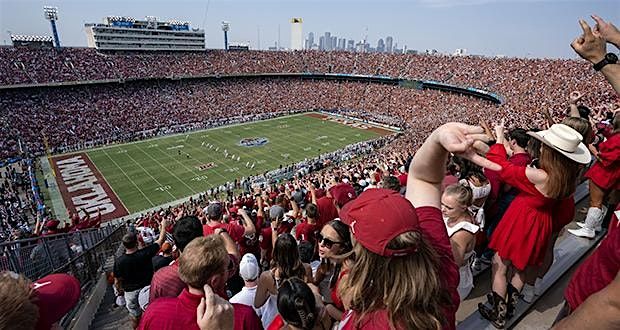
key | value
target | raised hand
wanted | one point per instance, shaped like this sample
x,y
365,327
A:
x,y
213,312
574,97
589,46
606,30
465,141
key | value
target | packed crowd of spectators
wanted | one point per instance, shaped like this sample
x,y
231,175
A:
x,y
529,87
17,209
356,242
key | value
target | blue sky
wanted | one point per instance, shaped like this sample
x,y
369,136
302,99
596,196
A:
x,y
529,28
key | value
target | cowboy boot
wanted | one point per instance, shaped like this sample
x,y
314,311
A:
x,y
511,300
497,313
592,218
599,223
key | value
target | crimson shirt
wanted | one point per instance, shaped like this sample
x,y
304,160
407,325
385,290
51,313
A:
x,y
434,230
180,313
596,272
167,283
265,236
327,211
307,232
235,231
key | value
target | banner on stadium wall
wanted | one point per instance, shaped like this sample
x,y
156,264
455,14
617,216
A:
x,y
360,120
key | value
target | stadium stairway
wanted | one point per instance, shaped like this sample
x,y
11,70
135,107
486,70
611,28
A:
x,y
109,316
568,252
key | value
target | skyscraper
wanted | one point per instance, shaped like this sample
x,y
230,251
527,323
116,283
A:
x,y
388,44
296,34
334,43
342,44
380,46
351,45
322,43
327,42
310,40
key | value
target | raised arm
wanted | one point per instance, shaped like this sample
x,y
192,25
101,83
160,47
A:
x,y
600,311
572,102
229,244
428,166
162,231
248,224
592,47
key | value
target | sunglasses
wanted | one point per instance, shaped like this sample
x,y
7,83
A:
x,y
328,243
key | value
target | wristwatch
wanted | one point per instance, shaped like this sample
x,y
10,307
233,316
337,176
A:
x,y
610,58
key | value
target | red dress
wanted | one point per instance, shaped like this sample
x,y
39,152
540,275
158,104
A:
x,y
523,232
606,172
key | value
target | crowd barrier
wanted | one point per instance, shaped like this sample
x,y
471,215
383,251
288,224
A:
x,y
37,257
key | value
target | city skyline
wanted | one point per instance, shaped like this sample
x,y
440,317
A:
x,y
350,44
531,28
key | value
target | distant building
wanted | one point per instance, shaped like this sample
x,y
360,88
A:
x,y
322,43
362,47
327,42
239,46
127,33
342,44
334,43
380,46
310,40
32,41
296,34
460,52
388,44
351,45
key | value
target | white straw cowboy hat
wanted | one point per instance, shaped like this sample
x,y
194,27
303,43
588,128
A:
x,y
566,141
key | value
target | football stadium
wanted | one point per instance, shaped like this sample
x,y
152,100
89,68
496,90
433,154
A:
x,y
153,179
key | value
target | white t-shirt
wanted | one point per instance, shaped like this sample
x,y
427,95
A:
x,y
246,297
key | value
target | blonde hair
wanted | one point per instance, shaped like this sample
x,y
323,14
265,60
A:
x,y
463,194
561,173
409,287
582,126
201,259
17,307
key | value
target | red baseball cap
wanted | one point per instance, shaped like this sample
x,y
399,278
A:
x,y
56,295
377,216
233,210
52,224
342,193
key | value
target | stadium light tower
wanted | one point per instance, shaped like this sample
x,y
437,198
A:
x,y
51,14
225,28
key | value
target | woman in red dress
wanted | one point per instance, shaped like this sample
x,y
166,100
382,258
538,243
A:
x,y
521,237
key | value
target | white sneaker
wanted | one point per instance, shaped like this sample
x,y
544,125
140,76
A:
x,y
583,232
527,293
599,223
593,219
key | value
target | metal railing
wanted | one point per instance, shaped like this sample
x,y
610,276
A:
x,y
37,257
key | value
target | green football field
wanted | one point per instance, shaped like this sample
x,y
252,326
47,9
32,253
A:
x,y
153,172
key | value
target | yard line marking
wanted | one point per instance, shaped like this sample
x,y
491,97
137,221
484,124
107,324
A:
x,y
191,147
149,174
167,170
128,178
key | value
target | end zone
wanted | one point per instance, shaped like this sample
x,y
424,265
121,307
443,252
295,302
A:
x,y
83,187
